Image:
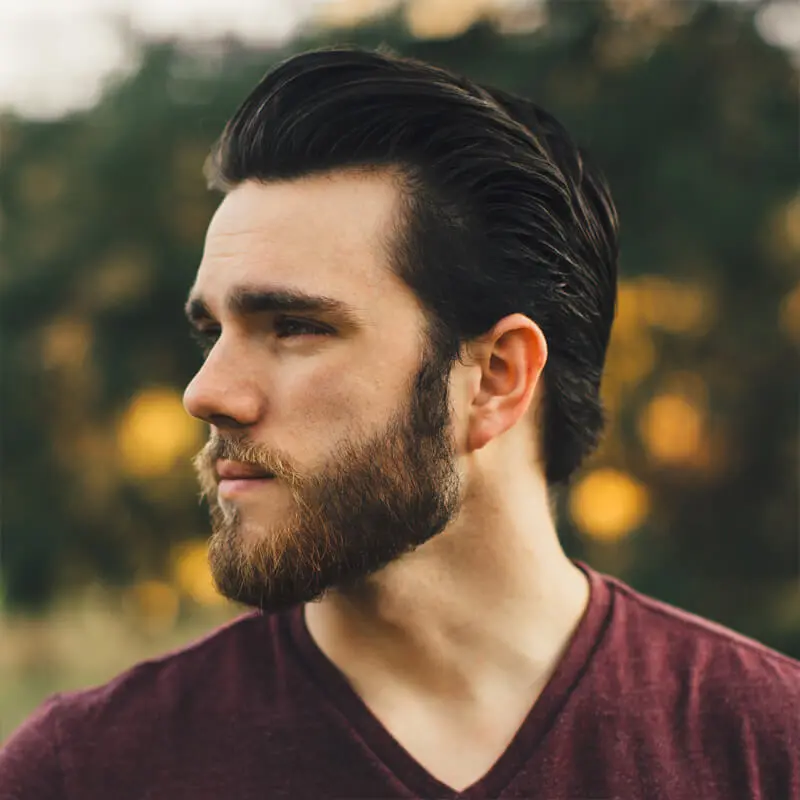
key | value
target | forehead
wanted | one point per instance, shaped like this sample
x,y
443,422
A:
x,y
326,234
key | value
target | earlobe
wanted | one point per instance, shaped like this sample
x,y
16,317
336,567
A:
x,y
481,432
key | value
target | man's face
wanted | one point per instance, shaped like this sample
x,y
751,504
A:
x,y
339,400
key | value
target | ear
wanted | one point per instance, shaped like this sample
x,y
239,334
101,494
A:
x,y
511,358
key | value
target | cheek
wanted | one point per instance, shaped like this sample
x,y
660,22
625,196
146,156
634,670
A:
x,y
338,396
323,405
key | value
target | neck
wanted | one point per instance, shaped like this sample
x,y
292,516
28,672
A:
x,y
490,602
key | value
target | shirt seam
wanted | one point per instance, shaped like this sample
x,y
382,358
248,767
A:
x,y
57,745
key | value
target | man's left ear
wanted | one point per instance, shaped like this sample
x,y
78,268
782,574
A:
x,y
511,358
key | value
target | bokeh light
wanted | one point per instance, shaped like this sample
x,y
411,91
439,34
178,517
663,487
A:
x,y
789,315
608,504
65,343
192,574
155,433
672,428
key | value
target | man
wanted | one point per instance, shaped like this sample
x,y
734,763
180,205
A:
x,y
405,300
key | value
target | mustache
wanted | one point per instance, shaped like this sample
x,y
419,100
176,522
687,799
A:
x,y
238,449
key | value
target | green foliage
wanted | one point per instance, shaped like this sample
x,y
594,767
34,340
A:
x,y
695,123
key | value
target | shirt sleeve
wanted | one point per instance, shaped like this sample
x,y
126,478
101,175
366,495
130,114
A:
x,y
29,759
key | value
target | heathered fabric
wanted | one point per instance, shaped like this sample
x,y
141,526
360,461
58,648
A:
x,y
647,702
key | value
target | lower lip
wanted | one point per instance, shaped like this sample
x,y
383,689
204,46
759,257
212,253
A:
x,y
232,486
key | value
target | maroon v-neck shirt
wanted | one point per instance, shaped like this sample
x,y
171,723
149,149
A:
x,y
647,702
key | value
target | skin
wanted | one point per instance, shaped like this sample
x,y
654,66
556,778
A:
x,y
465,601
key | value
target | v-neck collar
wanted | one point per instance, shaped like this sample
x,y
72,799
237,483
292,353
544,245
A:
x,y
534,728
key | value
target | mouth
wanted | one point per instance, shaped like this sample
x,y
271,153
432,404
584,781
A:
x,y
227,487
235,477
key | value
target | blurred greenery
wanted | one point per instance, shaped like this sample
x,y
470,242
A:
x,y
693,497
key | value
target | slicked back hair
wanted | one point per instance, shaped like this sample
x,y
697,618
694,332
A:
x,y
502,213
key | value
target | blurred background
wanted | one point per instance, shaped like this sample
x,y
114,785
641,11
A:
x,y
108,111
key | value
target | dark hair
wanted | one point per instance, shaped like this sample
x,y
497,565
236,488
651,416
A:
x,y
502,212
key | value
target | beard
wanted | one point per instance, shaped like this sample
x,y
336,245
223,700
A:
x,y
374,501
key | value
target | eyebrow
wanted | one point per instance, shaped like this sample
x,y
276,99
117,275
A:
x,y
245,301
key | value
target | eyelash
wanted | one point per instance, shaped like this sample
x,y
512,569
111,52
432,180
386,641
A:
x,y
207,337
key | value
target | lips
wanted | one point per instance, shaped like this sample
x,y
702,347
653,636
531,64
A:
x,y
237,470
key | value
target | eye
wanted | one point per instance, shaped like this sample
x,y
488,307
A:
x,y
205,337
286,327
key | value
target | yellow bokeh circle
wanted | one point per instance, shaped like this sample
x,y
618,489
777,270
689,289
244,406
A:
x,y
155,433
192,574
608,504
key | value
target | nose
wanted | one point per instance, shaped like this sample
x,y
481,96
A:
x,y
222,393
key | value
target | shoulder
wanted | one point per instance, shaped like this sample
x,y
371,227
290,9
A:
x,y
225,656
710,690
29,761
668,640
128,712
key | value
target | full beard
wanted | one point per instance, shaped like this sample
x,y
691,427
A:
x,y
377,500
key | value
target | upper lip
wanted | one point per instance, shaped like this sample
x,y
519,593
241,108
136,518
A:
x,y
231,470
